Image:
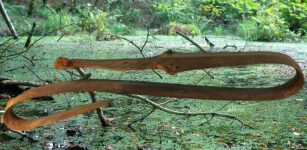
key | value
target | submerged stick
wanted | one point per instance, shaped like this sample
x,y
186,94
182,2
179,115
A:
x,y
94,98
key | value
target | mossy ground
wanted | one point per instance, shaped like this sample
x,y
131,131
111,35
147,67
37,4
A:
x,y
277,124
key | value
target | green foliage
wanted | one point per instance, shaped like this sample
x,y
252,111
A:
x,y
265,20
228,11
194,29
275,20
270,25
248,29
123,11
49,20
121,29
219,30
91,19
181,11
173,27
101,21
18,16
44,12
16,10
295,15
264,26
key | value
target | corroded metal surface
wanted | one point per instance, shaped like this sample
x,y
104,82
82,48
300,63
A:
x,y
169,61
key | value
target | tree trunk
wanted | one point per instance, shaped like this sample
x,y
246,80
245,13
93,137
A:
x,y
45,3
8,20
96,3
74,4
64,4
30,10
28,42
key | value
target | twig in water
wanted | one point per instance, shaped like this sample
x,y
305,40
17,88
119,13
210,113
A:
x,y
209,43
45,35
10,70
207,121
23,83
243,48
223,106
142,118
199,47
190,40
131,42
23,134
94,98
62,35
146,41
139,48
234,46
34,73
29,59
213,114
3,43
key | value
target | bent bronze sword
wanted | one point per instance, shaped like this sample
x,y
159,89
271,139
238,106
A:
x,y
172,63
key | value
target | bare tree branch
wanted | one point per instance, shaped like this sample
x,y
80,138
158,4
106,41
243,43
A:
x,y
45,35
23,83
141,118
139,48
193,42
209,43
188,113
34,73
199,47
94,98
234,46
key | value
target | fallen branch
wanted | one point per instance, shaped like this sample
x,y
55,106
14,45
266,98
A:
x,y
13,69
161,104
146,41
24,135
190,40
139,119
23,83
245,45
94,98
21,133
209,43
17,54
199,47
224,106
158,106
139,48
38,77
29,59
234,46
